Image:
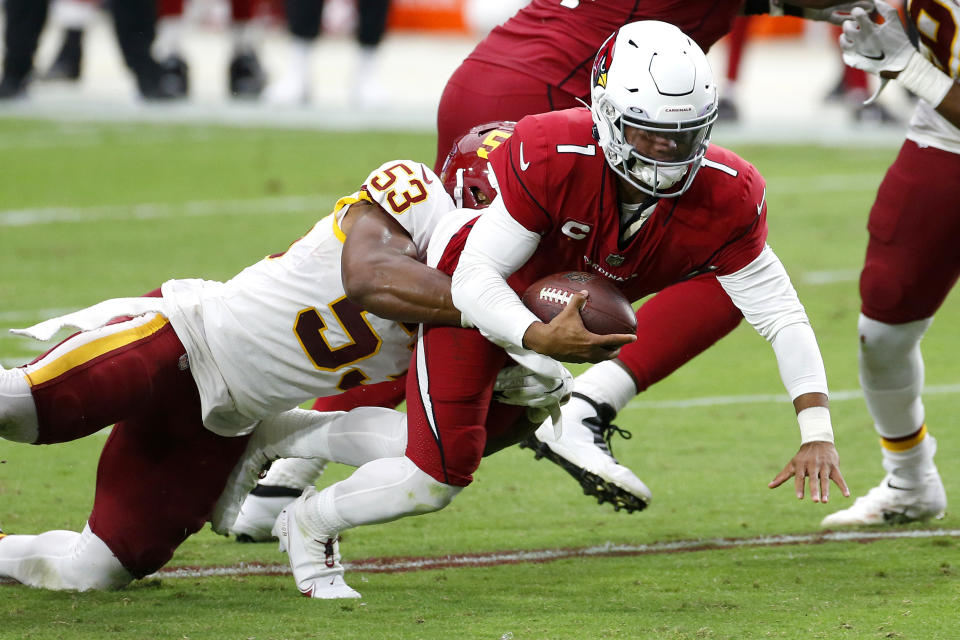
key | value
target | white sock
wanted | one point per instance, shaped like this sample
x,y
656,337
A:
x,y
366,62
351,438
298,58
62,560
168,41
18,412
74,14
891,374
606,383
914,463
247,36
379,491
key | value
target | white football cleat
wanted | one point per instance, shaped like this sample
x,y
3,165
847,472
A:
x,y
315,562
259,512
583,451
290,90
895,501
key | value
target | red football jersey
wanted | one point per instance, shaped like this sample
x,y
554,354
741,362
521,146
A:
x,y
554,181
556,40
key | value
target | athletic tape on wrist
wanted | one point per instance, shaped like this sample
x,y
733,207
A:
x,y
815,425
925,80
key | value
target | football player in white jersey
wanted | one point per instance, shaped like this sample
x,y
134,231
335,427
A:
x,y
186,377
912,261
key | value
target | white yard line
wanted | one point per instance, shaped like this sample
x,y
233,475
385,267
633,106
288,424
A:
x,y
320,203
498,558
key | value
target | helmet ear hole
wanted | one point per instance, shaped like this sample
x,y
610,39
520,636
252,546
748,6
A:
x,y
466,173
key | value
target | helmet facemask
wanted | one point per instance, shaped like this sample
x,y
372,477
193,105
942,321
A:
x,y
655,156
653,106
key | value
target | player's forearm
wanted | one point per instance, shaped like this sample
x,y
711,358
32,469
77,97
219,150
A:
x,y
950,107
498,245
405,290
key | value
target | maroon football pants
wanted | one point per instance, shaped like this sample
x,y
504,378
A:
x,y
160,471
913,258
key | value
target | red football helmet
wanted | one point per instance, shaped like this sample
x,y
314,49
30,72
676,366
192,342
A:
x,y
466,173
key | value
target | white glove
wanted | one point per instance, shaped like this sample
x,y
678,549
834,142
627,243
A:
x,y
520,386
876,47
837,13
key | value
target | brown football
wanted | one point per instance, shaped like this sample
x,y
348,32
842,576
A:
x,y
607,310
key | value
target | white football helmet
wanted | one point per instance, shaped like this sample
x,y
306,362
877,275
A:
x,y
654,102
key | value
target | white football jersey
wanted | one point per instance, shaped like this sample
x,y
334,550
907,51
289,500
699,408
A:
x,y
282,330
936,24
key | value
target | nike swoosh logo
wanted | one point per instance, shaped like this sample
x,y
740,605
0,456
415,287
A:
x,y
423,170
893,486
523,164
879,57
762,198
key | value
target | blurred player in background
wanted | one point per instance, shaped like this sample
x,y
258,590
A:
x,y
852,87
303,25
134,20
644,202
912,259
245,77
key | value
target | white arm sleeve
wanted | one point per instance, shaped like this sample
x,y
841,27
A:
x,y
497,246
763,292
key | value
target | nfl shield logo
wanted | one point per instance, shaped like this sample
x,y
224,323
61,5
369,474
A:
x,y
615,259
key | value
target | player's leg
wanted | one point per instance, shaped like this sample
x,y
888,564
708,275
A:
x,y
305,440
736,43
367,92
450,385
673,327
287,478
503,94
911,265
303,26
245,77
160,471
24,20
62,560
87,382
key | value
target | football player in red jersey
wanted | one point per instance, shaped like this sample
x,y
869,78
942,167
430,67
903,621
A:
x,y
646,203
912,262
539,61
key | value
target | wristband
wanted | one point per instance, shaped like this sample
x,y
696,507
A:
x,y
925,80
815,425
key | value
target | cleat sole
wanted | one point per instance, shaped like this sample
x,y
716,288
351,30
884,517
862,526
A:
x,y
591,483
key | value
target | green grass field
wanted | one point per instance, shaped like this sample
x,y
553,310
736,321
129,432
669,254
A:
x,y
96,211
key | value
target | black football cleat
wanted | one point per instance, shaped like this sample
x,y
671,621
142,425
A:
x,y
583,451
247,79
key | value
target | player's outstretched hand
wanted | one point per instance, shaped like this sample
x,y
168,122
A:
x,y
566,339
818,461
876,42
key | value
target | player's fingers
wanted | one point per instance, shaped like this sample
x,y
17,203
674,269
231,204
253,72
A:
x,y
824,486
837,477
798,480
862,18
579,299
616,340
781,477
